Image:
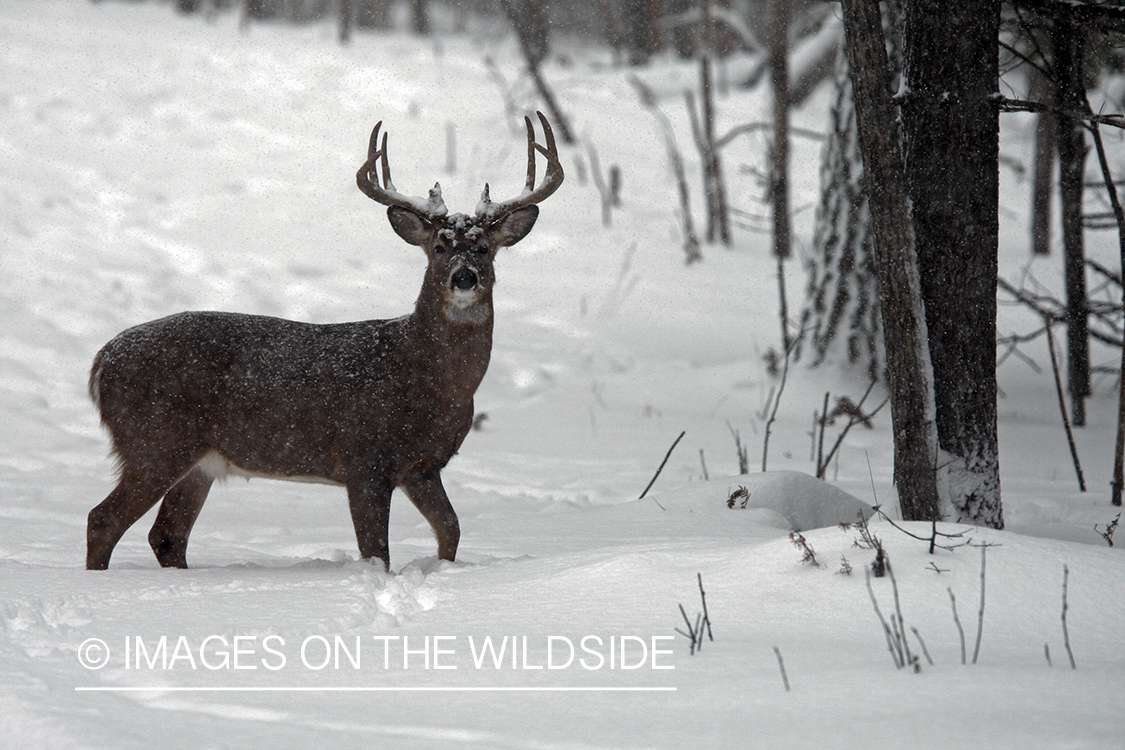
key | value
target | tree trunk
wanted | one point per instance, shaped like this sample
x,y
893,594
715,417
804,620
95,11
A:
x,y
345,21
531,20
951,126
779,148
904,325
1046,132
1072,168
714,189
420,16
642,21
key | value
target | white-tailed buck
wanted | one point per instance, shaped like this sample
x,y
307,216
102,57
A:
x,y
370,406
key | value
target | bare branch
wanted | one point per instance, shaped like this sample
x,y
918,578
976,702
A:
x,y
1023,105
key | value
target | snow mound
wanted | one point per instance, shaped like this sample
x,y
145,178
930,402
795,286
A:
x,y
804,501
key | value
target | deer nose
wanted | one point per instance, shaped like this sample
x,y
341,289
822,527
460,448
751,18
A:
x,y
464,278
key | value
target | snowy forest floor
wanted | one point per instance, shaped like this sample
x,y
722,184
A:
x,y
154,163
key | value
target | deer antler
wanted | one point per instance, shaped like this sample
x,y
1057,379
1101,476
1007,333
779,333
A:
x,y
486,209
387,195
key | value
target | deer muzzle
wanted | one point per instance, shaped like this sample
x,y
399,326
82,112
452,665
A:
x,y
464,279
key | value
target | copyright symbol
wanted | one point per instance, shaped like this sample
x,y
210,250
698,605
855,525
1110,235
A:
x,y
93,653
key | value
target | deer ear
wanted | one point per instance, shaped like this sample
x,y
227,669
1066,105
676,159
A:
x,y
513,227
412,227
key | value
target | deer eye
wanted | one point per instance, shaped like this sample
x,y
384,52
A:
x,y
439,249
482,249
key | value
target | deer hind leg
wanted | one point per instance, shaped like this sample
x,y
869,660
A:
x,y
428,495
169,535
142,484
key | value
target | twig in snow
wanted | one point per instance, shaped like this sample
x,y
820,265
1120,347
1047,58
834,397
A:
x,y
781,666
980,615
882,621
777,401
855,415
692,634
702,621
922,644
703,598
661,468
808,554
1107,535
1066,633
908,658
957,622
932,539
742,451
1047,653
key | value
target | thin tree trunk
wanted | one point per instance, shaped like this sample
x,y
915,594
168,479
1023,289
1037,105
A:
x,y
904,325
951,126
345,21
1046,132
718,224
779,163
1072,168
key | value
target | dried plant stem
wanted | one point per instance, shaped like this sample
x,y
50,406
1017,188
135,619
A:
x,y
661,467
1066,633
693,631
957,622
706,617
776,403
980,615
781,666
907,657
922,643
882,620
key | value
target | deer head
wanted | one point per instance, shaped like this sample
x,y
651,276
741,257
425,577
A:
x,y
461,248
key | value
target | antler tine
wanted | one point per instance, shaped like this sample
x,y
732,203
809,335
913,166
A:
x,y
551,180
548,134
386,164
373,144
529,184
386,193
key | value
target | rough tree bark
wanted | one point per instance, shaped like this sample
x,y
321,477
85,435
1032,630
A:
x,y
1071,95
904,324
951,127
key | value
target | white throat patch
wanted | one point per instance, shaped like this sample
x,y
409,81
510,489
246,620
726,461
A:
x,y
464,307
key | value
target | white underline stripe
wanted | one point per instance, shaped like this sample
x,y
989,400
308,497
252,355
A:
x,y
374,689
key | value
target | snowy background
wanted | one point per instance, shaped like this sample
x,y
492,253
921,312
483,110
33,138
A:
x,y
153,163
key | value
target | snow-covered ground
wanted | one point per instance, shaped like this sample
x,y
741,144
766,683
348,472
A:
x,y
153,163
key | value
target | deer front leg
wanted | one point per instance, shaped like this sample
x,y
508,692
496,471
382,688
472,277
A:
x,y
428,495
169,535
369,499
